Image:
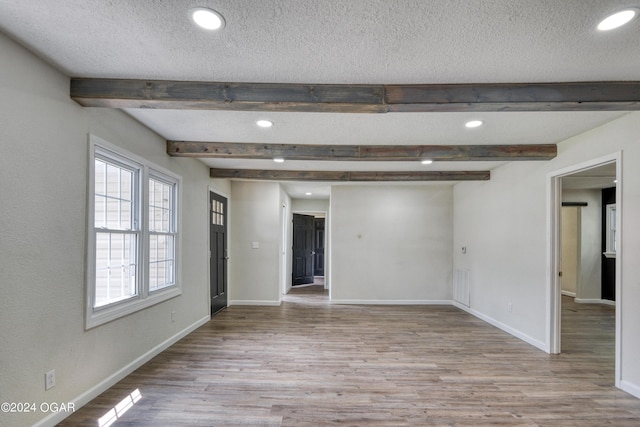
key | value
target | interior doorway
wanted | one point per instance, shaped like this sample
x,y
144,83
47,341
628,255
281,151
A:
x,y
581,187
310,249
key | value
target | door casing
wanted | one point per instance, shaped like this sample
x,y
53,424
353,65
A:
x,y
554,263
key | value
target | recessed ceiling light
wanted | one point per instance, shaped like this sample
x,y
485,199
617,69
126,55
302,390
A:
x,y
618,19
207,18
278,160
308,194
264,123
426,161
473,123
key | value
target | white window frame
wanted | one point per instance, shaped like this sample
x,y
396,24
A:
x,y
96,316
167,179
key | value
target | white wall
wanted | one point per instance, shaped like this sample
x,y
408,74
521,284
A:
x,y
310,205
255,211
589,278
220,186
570,220
43,180
391,243
503,222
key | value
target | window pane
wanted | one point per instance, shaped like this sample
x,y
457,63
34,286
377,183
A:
x,y
161,273
102,251
126,181
100,211
158,220
166,197
113,214
114,194
100,170
113,181
153,276
115,267
102,287
165,221
125,216
160,209
153,247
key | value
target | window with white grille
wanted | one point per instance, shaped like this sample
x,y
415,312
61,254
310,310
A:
x,y
133,238
162,231
117,234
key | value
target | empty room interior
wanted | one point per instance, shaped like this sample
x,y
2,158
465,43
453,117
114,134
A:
x,y
305,213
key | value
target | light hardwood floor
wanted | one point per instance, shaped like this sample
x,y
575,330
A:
x,y
308,363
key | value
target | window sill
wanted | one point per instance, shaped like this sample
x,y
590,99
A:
x,y
98,316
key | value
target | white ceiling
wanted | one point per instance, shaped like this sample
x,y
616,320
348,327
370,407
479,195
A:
x,y
342,42
591,179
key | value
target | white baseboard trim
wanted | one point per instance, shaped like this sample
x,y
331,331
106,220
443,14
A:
x,y
588,300
111,380
254,302
594,301
630,388
568,294
508,329
390,302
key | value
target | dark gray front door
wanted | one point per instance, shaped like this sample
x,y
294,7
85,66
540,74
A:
x,y
218,248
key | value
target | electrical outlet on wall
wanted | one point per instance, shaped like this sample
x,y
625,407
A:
x,y
50,379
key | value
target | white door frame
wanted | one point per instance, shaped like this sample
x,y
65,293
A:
x,y
554,260
285,252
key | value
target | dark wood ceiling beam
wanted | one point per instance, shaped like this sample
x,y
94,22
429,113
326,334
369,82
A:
x,y
231,150
572,96
288,175
115,93
576,96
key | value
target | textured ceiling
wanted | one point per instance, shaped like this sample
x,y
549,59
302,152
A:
x,y
354,41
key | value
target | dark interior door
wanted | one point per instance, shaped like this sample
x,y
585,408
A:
x,y
218,251
318,239
302,249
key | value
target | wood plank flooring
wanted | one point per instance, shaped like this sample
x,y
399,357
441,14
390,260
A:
x,y
308,363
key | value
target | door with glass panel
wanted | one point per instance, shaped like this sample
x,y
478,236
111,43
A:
x,y
218,251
